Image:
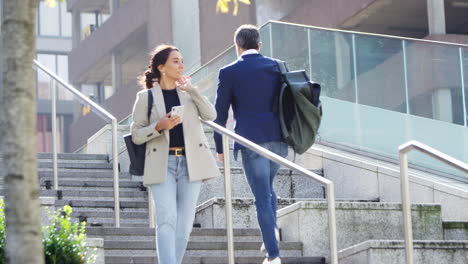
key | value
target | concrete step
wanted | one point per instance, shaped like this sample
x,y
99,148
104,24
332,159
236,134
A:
x,y
197,235
214,260
213,232
80,173
105,199
251,252
73,156
97,188
109,222
101,194
76,165
124,213
98,183
393,252
89,161
44,193
83,179
198,245
103,204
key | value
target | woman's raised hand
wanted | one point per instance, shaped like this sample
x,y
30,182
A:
x,y
167,122
185,83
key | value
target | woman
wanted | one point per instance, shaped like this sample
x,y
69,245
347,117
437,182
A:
x,y
178,157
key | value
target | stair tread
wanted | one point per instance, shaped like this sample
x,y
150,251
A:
x,y
110,259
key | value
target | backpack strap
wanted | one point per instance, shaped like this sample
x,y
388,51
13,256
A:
x,y
150,103
282,66
283,69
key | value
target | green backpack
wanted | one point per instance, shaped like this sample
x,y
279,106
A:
x,y
300,109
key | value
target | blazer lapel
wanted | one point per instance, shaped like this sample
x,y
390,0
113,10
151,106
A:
x,y
160,105
182,98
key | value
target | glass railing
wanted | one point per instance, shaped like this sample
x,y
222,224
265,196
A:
x,y
377,91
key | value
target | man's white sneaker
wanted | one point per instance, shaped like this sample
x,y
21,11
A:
x,y
277,235
276,260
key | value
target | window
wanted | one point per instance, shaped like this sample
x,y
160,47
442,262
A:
x,y
44,132
58,64
53,21
90,22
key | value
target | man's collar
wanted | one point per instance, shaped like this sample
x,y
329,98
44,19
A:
x,y
249,51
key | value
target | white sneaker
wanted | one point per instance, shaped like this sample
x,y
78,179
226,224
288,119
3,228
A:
x,y
277,235
276,260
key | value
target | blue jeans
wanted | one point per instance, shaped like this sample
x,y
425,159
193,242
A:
x,y
175,202
260,173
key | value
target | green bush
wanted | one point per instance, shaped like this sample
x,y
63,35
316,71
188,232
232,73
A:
x,y
64,241
2,234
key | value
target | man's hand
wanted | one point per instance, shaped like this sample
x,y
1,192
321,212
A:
x,y
221,157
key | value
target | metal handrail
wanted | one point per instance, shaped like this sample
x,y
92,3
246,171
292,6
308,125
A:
x,y
278,159
56,79
404,181
331,30
367,34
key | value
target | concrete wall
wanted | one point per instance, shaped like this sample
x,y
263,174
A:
x,y
455,230
275,9
159,26
217,30
393,252
186,32
211,214
307,222
329,13
363,178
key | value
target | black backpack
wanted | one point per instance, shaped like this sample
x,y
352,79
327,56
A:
x,y
300,109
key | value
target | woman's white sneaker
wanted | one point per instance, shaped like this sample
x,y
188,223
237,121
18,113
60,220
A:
x,y
276,260
277,236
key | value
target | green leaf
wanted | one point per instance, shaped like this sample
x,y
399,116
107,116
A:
x,y
68,210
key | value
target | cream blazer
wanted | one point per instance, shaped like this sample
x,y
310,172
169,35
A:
x,y
200,160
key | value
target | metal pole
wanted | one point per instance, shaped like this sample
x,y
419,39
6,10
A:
x,y
460,55
405,68
53,89
271,40
405,199
115,159
356,92
150,208
332,223
309,44
228,200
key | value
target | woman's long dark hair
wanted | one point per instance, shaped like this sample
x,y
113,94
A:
x,y
160,55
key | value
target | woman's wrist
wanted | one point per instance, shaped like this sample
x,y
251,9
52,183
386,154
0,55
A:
x,y
158,128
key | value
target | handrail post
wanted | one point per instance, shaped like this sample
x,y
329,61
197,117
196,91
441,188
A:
x,y
115,161
53,90
405,199
332,223
228,200
150,208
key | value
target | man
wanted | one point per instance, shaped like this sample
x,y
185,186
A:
x,y
251,86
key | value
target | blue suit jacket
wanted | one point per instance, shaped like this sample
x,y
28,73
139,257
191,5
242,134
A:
x,y
251,86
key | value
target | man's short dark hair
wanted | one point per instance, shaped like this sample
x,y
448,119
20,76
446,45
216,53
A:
x,y
247,37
